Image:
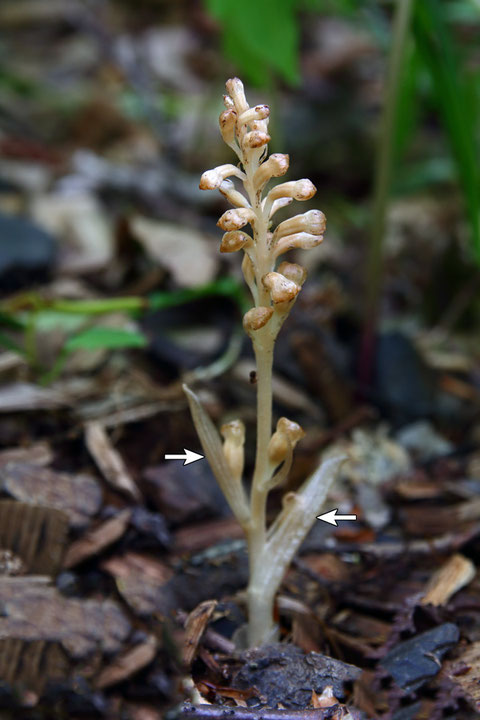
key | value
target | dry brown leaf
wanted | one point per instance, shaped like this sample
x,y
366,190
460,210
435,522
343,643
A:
x,y
85,234
109,460
20,396
140,581
457,572
79,496
128,663
36,454
195,626
96,540
185,252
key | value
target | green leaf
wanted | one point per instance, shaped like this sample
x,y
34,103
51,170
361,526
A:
x,y
459,113
260,36
96,338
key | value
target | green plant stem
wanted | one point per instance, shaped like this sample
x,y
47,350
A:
x,y
382,181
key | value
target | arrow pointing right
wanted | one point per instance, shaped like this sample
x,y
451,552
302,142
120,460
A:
x,y
332,517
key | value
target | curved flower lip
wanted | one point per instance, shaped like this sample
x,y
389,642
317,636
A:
x,y
228,189
256,318
236,219
302,240
259,112
227,122
280,288
236,91
312,222
279,204
256,139
212,179
302,189
276,165
294,272
234,240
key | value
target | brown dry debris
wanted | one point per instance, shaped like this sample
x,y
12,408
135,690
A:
x,y
454,574
33,610
109,460
195,625
128,663
96,540
79,496
36,534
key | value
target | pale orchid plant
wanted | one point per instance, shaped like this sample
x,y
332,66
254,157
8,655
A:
x,y
274,291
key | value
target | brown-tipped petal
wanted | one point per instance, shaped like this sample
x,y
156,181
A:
x,y
228,102
256,318
256,139
293,430
236,219
227,121
237,93
234,240
286,436
280,288
297,189
292,271
260,112
312,222
275,166
212,179
301,240
228,189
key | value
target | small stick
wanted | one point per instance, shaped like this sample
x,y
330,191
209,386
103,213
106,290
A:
x,y
220,712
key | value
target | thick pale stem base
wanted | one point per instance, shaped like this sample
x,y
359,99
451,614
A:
x,y
261,625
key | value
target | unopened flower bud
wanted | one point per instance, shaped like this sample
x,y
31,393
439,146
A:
x,y
312,222
256,139
234,436
280,288
237,93
256,318
236,218
275,166
260,112
228,102
297,189
212,179
234,240
248,271
301,240
292,271
286,436
279,204
228,189
227,122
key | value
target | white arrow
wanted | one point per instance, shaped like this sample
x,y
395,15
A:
x,y
332,517
188,457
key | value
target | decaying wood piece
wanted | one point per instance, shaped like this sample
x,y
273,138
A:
x,y
457,572
109,460
31,664
35,534
33,610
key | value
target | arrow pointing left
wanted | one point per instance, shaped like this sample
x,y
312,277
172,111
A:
x,y
188,457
